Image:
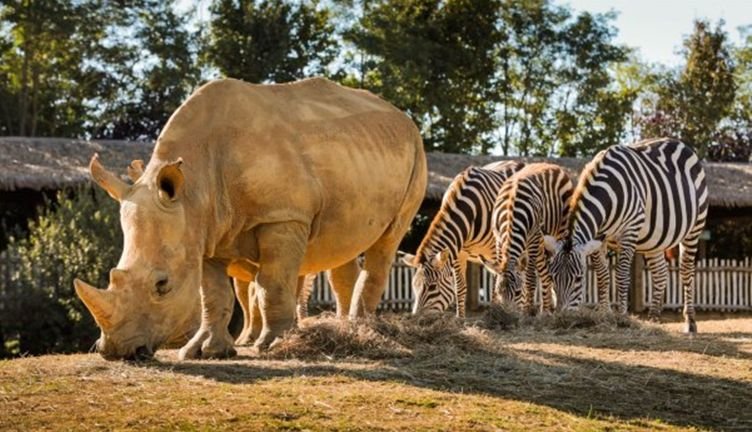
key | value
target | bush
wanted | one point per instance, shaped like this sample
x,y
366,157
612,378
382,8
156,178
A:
x,y
78,236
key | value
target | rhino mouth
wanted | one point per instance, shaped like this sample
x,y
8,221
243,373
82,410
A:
x,y
140,354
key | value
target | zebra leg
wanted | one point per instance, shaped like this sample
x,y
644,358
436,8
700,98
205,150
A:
x,y
531,283
688,249
342,280
623,277
659,274
305,283
460,285
538,257
600,265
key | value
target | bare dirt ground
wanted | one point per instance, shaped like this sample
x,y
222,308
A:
x,y
530,377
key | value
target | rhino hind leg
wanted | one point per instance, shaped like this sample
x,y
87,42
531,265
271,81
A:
x,y
342,280
372,281
246,295
281,248
305,285
213,339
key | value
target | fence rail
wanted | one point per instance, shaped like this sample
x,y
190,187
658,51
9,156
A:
x,y
720,285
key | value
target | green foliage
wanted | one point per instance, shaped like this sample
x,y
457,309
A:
x,y
435,60
260,41
51,63
92,67
526,76
692,104
79,236
168,73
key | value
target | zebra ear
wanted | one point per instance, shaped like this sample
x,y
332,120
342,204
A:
x,y
492,266
441,258
410,260
592,246
551,244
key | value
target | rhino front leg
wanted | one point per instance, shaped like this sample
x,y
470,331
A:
x,y
282,247
213,340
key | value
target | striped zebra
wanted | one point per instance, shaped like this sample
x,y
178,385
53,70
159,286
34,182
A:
x,y
532,203
646,197
460,231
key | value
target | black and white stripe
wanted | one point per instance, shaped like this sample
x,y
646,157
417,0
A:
x,y
460,231
646,197
532,203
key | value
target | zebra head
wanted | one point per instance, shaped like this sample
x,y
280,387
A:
x,y
567,266
508,285
433,282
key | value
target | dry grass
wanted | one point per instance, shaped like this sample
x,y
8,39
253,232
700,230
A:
x,y
582,371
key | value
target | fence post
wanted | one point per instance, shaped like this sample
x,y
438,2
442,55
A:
x,y
637,296
473,287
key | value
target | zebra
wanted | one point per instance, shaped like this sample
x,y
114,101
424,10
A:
x,y
532,203
646,197
460,231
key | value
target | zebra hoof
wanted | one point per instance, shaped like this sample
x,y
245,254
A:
x,y
690,328
654,318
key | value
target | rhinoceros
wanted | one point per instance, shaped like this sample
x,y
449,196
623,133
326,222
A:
x,y
289,178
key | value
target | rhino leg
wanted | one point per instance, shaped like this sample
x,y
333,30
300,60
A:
x,y
246,294
342,280
305,286
213,340
372,281
282,247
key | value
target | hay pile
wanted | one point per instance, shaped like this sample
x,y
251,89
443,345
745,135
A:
x,y
391,336
380,337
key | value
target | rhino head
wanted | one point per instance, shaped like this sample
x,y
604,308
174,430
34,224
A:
x,y
152,299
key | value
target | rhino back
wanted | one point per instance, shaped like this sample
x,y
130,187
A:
x,y
313,151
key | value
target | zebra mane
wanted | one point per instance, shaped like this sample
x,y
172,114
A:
x,y
436,224
508,194
583,182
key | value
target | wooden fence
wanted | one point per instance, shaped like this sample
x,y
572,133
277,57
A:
x,y
720,285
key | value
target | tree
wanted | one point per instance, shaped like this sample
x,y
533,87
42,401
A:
x,y
435,60
164,74
593,112
51,63
260,41
692,105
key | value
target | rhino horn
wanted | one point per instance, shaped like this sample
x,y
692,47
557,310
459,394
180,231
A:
x,y
107,180
99,302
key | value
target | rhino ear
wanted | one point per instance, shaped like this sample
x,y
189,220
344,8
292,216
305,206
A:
x,y
410,260
170,181
107,180
136,170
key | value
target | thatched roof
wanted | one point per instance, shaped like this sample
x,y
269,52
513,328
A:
x,y
729,184
52,163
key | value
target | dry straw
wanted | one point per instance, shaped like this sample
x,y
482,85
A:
x,y
400,335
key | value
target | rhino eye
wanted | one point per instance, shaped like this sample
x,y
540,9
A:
x,y
162,287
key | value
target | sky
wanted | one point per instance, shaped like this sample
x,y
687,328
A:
x,y
657,27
